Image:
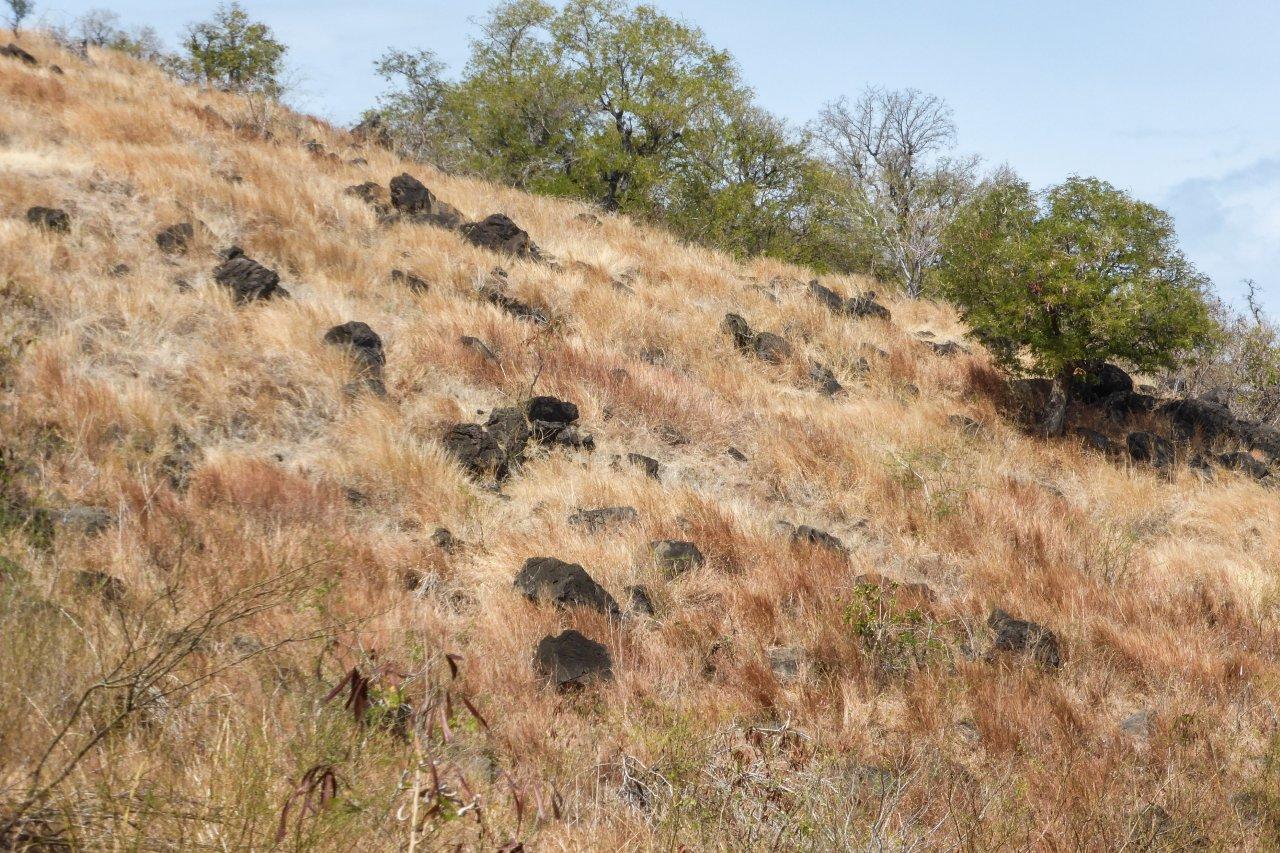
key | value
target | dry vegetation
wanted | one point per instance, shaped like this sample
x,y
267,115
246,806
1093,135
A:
x,y
269,527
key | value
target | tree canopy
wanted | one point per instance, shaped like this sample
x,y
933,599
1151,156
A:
x,y
1077,275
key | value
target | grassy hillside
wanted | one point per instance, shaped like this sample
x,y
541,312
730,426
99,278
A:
x,y
208,524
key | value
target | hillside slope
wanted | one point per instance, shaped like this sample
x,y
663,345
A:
x,y
210,516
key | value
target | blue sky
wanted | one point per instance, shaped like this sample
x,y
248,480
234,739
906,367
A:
x,y
1172,100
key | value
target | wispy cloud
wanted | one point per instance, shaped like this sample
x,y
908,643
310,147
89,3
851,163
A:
x,y
1230,226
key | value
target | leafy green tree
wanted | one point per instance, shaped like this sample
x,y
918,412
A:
x,y
233,53
1080,274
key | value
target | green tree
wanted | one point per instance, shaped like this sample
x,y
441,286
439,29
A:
x,y
233,53
1081,274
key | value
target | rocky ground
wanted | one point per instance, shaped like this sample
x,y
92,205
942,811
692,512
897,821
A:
x,y
349,505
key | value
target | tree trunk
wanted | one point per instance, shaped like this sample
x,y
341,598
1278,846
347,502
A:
x,y
1055,411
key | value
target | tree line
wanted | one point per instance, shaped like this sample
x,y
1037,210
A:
x,y
635,111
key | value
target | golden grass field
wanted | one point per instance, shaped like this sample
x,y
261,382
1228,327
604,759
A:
x,y
272,532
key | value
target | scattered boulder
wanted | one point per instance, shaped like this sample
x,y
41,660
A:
x,y
675,556
570,660
833,301
478,346
176,239
1094,383
736,455
365,347
1244,463
409,280
494,290
373,194
1096,441
476,450
510,430
372,131
414,201
640,601
946,349
765,346
1150,448
444,539
12,51
865,305
1021,636
647,463
49,218
1213,420
247,279
813,536
551,410
499,234
563,584
822,376
595,519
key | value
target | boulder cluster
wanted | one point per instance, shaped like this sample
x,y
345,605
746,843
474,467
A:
x,y
862,305
406,199
494,449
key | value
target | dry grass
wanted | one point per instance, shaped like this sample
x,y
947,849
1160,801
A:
x,y
1164,592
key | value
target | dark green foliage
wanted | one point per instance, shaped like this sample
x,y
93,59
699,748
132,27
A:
x,y
625,107
1080,274
233,53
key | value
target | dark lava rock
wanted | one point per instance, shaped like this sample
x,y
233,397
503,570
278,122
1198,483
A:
x,y
571,660
478,346
569,436
594,519
736,455
1024,637
825,379
813,536
510,430
444,539
499,234
248,279
120,270
49,218
365,347
563,584
865,305
476,450
833,301
413,200
415,283
945,349
1150,448
1213,420
1245,463
1094,383
639,600
176,239
551,410
763,345
647,463
12,51
675,556
494,290
1095,441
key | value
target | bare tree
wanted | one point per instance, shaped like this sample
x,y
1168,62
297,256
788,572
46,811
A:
x,y
889,148
18,12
